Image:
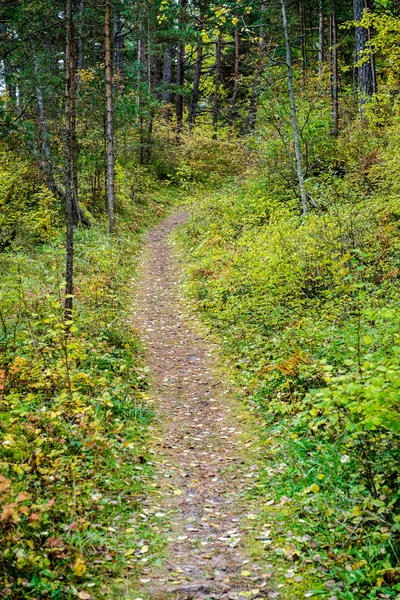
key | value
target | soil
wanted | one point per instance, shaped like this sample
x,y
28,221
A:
x,y
204,462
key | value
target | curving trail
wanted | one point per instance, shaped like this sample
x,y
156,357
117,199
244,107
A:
x,y
202,463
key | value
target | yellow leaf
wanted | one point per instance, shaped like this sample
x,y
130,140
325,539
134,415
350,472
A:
x,y
79,568
245,573
178,492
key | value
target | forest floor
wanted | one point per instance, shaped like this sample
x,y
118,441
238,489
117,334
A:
x,y
205,448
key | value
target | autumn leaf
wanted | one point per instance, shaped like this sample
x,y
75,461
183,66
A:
x,y
4,483
84,595
79,568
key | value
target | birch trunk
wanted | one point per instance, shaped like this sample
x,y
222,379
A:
x,y
293,111
68,171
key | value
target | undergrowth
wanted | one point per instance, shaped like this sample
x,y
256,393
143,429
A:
x,y
73,416
307,312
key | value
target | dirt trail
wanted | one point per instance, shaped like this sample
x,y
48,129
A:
x,y
202,464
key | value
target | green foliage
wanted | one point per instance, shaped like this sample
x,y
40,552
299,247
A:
x,y
28,210
73,417
307,310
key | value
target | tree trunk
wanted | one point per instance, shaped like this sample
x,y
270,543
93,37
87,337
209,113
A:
x,y
252,115
44,132
235,82
366,74
167,80
119,48
321,27
149,56
110,204
69,84
303,40
335,77
81,59
74,140
197,75
218,52
180,67
295,127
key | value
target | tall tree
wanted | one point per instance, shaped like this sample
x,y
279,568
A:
x,y
69,84
217,82
110,201
235,80
364,60
180,65
197,72
293,111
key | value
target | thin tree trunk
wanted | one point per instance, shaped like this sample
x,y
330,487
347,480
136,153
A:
x,y
180,67
235,82
303,38
321,27
109,120
197,75
218,52
252,114
74,140
148,56
335,78
119,58
69,83
139,58
196,86
44,132
295,127
167,80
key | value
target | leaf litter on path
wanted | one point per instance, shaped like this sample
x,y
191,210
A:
x,y
202,452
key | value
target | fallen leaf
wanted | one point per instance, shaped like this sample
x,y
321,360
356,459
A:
x,y
79,568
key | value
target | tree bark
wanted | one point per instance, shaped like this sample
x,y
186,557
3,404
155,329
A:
x,y
74,140
366,72
119,50
197,75
167,80
293,111
69,84
44,132
252,114
180,67
321,49
110,204
218,52
335,77
235,82
303,40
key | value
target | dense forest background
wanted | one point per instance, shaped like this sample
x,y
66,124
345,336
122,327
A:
x,y
278,123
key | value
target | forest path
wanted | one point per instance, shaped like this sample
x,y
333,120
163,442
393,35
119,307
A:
x,y
203,459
